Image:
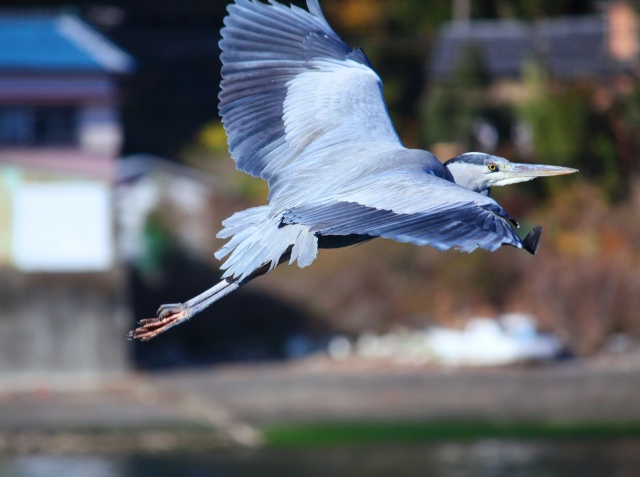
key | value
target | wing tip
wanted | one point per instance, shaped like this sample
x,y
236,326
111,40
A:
x,y
532,241
314,8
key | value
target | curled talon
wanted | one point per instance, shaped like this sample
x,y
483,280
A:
x,y
168,309
146,321
151,327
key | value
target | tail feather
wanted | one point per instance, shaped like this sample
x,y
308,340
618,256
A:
x,y
258,240
243,219
305,249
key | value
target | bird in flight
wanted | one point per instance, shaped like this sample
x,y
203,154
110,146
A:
x,y
305,112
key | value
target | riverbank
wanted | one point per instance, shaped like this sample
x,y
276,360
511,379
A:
x,y
231,406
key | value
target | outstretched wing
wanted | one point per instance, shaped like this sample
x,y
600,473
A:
x,y
291,86
407,207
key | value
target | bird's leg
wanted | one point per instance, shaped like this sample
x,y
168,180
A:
x,y
170,315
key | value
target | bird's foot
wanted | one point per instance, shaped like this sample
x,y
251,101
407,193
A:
x,y
168,317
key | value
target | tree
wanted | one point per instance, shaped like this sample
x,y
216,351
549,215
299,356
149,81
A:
x,y
450,108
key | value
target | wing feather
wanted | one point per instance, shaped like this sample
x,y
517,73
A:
x,y
291,85
430,211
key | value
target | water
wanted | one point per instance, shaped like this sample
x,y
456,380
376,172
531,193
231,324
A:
x,y
483,458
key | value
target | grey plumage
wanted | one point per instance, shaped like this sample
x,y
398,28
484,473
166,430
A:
x,y
305,112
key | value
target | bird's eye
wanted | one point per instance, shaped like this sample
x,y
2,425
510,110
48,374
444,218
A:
x,y
493,167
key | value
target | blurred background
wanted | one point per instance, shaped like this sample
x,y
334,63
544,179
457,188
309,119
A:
x,y
115,176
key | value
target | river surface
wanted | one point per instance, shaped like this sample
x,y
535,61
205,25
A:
x,y
619,457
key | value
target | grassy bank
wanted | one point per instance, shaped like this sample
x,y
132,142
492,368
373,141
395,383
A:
x,y
305,435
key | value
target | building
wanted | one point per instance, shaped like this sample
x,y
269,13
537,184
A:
x,y
511,62
570,48
60,136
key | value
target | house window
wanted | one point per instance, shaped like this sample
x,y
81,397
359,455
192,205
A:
x,y
25,126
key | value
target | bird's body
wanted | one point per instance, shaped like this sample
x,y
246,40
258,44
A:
x,y
305,112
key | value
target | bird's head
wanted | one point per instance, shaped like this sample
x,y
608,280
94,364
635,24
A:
x,y
480,172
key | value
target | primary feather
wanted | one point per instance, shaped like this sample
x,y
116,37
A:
x,y
291,85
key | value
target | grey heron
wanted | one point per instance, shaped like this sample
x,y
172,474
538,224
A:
x,y
305,112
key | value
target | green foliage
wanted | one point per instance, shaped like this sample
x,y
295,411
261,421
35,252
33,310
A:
x,y
213,137
604,147
451,108
447,116
589,126
209,151
158,240
631,108
558,118
471,71
404,432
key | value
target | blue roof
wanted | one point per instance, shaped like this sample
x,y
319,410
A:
x,y
57,43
